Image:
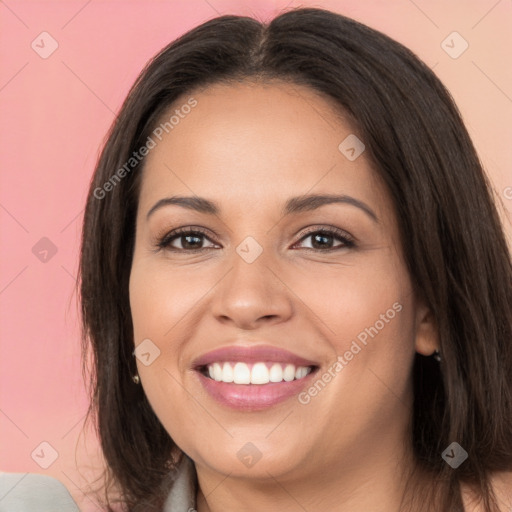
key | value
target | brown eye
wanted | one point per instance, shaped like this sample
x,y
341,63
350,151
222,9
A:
x,y
324,240
186,239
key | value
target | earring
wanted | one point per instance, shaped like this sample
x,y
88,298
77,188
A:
x,y
135,377
437,356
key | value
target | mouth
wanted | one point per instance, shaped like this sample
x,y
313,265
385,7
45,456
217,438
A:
x,y
253,378
259,373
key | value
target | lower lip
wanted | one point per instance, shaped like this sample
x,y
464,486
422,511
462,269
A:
x,y
252,397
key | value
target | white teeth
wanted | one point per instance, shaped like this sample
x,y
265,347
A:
x,y
217,371
227,373
289,372
300,372
241,374
259,373
276,373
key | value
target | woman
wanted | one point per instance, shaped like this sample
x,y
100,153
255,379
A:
x,y
294,281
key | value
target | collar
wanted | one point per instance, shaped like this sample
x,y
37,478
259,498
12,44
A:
x,y
182,497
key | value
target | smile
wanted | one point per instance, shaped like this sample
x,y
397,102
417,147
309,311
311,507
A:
x,y
256,373
253,378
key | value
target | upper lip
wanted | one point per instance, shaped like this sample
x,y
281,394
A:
x,y
252,354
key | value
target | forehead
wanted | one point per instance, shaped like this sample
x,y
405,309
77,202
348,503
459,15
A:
x,y
252,142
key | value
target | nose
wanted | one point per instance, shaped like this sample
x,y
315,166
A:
x,y
252,294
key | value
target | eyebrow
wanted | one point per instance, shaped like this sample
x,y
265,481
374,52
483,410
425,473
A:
x,y
293,205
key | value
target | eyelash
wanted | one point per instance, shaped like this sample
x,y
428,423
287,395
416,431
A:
x,y
165,241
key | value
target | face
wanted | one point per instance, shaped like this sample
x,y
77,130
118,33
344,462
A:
x,y
307,300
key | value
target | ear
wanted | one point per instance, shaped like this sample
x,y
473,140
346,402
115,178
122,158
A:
x,y
427,336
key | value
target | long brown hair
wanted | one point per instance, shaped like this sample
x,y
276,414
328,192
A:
x,y
453,241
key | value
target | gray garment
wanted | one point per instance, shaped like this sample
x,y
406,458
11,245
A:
x,y
30,492
25,492
182,497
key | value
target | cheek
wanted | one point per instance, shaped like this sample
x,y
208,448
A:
x,y
160,299
358,303
159,305
366,315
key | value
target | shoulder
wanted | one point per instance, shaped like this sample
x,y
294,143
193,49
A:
x,y
26,492
502,486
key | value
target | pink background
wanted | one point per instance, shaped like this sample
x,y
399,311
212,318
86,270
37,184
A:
x,y
55,114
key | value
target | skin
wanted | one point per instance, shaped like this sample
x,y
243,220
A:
x,y
249,147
